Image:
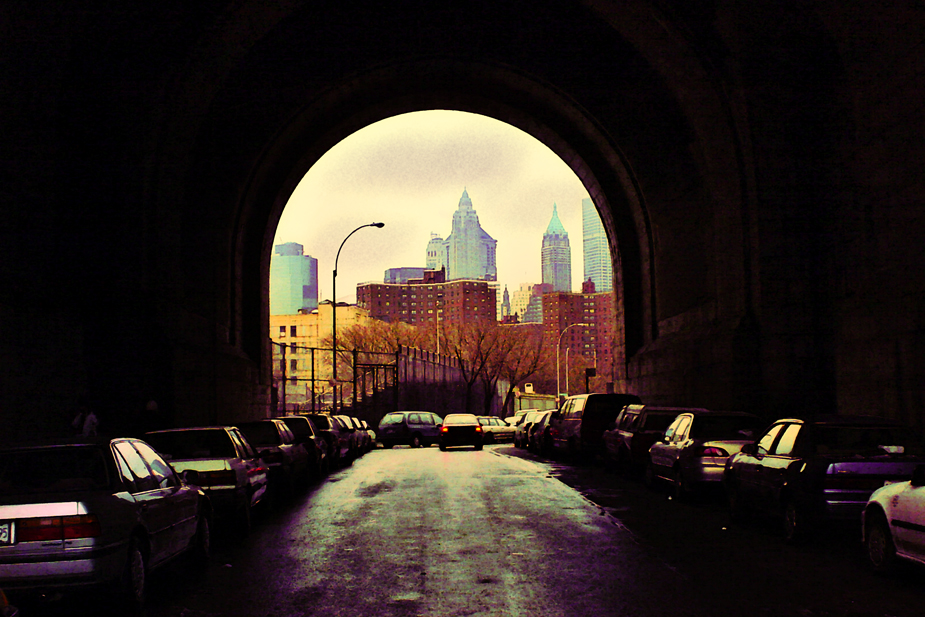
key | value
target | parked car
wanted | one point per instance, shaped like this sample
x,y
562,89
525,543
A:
x,y
357,440
538,439
576,429
523,425
695,446
364,441
287,461
409,428
823,469
338,438
627,441
95,513
893,522
303,429
227,467
495,430
372,434
460,429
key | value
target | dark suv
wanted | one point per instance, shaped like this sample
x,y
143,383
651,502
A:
x,y
628,439
576,429
410,428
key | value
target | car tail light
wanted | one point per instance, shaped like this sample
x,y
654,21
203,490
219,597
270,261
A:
x,y
712,451
58,528
478,429
444,430
253,471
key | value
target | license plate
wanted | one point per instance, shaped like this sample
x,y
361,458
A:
x,y
6,532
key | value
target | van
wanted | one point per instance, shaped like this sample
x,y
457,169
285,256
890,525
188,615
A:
x,y
577,428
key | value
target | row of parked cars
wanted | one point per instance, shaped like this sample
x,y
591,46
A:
x,y
99,511
861,470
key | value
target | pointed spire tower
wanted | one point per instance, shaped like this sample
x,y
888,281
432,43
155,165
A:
x,y
470,251
556,255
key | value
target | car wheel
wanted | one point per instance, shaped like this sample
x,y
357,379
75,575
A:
x,y
442,448
738,511
202,542
880,548
649,476
135,575
415,441
794,523
478,446
388,445
682,488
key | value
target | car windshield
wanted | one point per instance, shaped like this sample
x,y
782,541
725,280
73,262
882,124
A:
x,y
392,418
322,422
56,469
866,440
724,428
485,421
212,443
263,433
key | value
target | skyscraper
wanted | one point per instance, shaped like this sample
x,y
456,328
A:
x,y
293,280
470,251
556,255
596,251
436,253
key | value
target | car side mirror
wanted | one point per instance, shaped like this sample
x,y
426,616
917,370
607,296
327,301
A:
x,y
751,449
918,476
191,476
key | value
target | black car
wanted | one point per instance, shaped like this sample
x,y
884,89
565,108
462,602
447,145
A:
x,y
461,429
627,441
409,428
337,436
286,459
577,428
824,469
305,433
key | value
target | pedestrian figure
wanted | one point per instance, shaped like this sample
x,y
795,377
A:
x,y
90,424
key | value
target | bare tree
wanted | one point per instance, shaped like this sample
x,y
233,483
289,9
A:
x,y
470,343
527,358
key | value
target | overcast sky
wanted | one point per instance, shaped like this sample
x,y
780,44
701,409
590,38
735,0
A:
x,y
409,172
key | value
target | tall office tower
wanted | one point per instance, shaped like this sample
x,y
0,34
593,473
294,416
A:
x,y
436,253
505,303
293,280
470,251
597,268
556,255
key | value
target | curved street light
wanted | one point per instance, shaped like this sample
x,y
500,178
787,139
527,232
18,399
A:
x,y
334,312
558,344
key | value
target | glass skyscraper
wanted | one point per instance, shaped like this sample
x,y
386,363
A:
x,y
596,251
293,280
556,255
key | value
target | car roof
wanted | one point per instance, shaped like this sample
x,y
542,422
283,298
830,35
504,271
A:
x,y
843,420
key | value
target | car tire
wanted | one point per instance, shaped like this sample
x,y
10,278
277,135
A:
x,y
135,575
202,541
388,445
478,446
442,448
738,511
879,544
794,523
681,486
415,441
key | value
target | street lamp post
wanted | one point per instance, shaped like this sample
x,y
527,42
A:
x,y
334,311
559,344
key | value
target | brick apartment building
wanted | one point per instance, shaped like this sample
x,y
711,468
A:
x,y
422,300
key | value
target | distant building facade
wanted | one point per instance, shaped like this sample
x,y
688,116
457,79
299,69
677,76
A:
x,y
470,251
402,275
293,280
420,302
596,342
436,253
556,255
595,248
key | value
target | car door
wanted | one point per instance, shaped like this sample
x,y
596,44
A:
x,y
908,521
665,453
773,468
181,500
747,468
256,472
154,511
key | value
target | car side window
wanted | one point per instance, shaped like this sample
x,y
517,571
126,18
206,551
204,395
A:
x,y
162,472
629,423
765,443
243,446
414,418
680,432
670,431
125,473
143,480
787,440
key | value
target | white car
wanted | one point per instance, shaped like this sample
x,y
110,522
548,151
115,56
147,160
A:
x,y
893,522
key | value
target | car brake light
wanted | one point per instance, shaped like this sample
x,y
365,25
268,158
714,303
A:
x,y
253,471
58,528
713,451
444,430
478,429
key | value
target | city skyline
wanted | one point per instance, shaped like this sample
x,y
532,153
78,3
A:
x,y
409,172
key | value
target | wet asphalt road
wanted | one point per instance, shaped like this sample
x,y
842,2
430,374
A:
x,y
499,532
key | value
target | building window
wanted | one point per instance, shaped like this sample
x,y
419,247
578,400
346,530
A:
x,y
292,330
293,365
282,331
